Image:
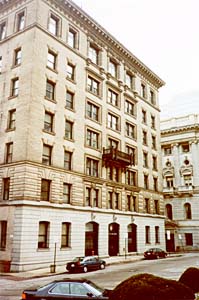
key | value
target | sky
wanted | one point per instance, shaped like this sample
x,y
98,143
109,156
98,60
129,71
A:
x,y
164,35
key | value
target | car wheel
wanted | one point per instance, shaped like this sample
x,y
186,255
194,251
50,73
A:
x,y
102,266
85,269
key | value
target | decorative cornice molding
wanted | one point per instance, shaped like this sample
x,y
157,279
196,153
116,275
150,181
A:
x,y
180,129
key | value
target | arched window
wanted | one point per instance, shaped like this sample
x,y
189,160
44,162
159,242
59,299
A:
x,y
169,211
187,210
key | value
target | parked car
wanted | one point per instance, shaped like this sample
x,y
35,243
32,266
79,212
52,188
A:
x,y
155,253
67,289
85,264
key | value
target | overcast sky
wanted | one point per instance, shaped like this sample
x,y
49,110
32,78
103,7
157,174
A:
x,y
164,35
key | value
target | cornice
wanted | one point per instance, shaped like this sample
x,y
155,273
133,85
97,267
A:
x,y
192,127
93,28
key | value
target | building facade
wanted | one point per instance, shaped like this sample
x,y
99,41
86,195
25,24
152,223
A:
x,y
80,139
180,152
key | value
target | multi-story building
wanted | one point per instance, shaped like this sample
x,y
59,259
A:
x,y
80,139
180,152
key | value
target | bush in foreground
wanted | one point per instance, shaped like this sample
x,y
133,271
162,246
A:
x,y
190,278
149,287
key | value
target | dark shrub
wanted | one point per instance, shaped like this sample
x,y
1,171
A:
x,y
190,277
150,287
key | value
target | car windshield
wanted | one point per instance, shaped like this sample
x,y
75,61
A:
x,y
78,259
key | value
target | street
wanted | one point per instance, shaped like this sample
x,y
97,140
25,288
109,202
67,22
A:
x,y
171,267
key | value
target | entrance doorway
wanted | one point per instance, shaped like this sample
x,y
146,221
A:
x,y
132,238
113,248
91,238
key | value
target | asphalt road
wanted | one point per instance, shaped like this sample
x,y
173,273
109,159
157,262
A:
x,y
171,267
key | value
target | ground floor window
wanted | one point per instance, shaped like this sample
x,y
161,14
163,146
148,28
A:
x,y
43,237
3,233
65,236
189,239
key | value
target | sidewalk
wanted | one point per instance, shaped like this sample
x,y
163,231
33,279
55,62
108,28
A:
x,y
62,269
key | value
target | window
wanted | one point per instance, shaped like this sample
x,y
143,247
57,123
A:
x,y
95,198
54,25
113,173
185,147
128,202
50,90
117,198
154,162
169,211
144,137
143,90
67,193
2,31
6,188
167,150
65,235
67,160
11,119
187,179
9,153
92,111
43,236
135,204
93,85
155,183
110,200
152,121
147,205
147,234
92,139
187,211
0,64
51,60
146,181
20,21
113,122
129,108
156,207
130,80
3,228
189,239
45,189
47,155
68,130
15,87
153,141
113,144
69,100
152,97
88,196
144,119
145,159
132,152
157,234
169,181
113,68
131,178
92,167
70,71
17,57
93,54
112,97
72,38
48,122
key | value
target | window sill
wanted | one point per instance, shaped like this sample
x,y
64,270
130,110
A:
x,y
49,132
43,249
10,129
66,248
53,70
71,80
70,108
51,100
15,66
12,97
68,139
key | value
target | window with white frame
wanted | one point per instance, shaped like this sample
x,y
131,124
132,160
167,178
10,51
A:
x,y
17,57
54,25
129,107
70,99
92,166
113,121
92,111
51,60
73,38
2,31
20,21
68,130
92,139
113,68
93,54
113,97
93,85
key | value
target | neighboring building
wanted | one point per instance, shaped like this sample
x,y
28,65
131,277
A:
x,y
80,139
180,151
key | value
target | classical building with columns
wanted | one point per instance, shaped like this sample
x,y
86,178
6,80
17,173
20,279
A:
x,y
80,163
180,156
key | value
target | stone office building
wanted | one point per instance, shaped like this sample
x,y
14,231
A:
x,y
180,152
80,139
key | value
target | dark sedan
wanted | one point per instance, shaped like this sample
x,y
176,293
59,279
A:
x,y
85,264
73,289
155,253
